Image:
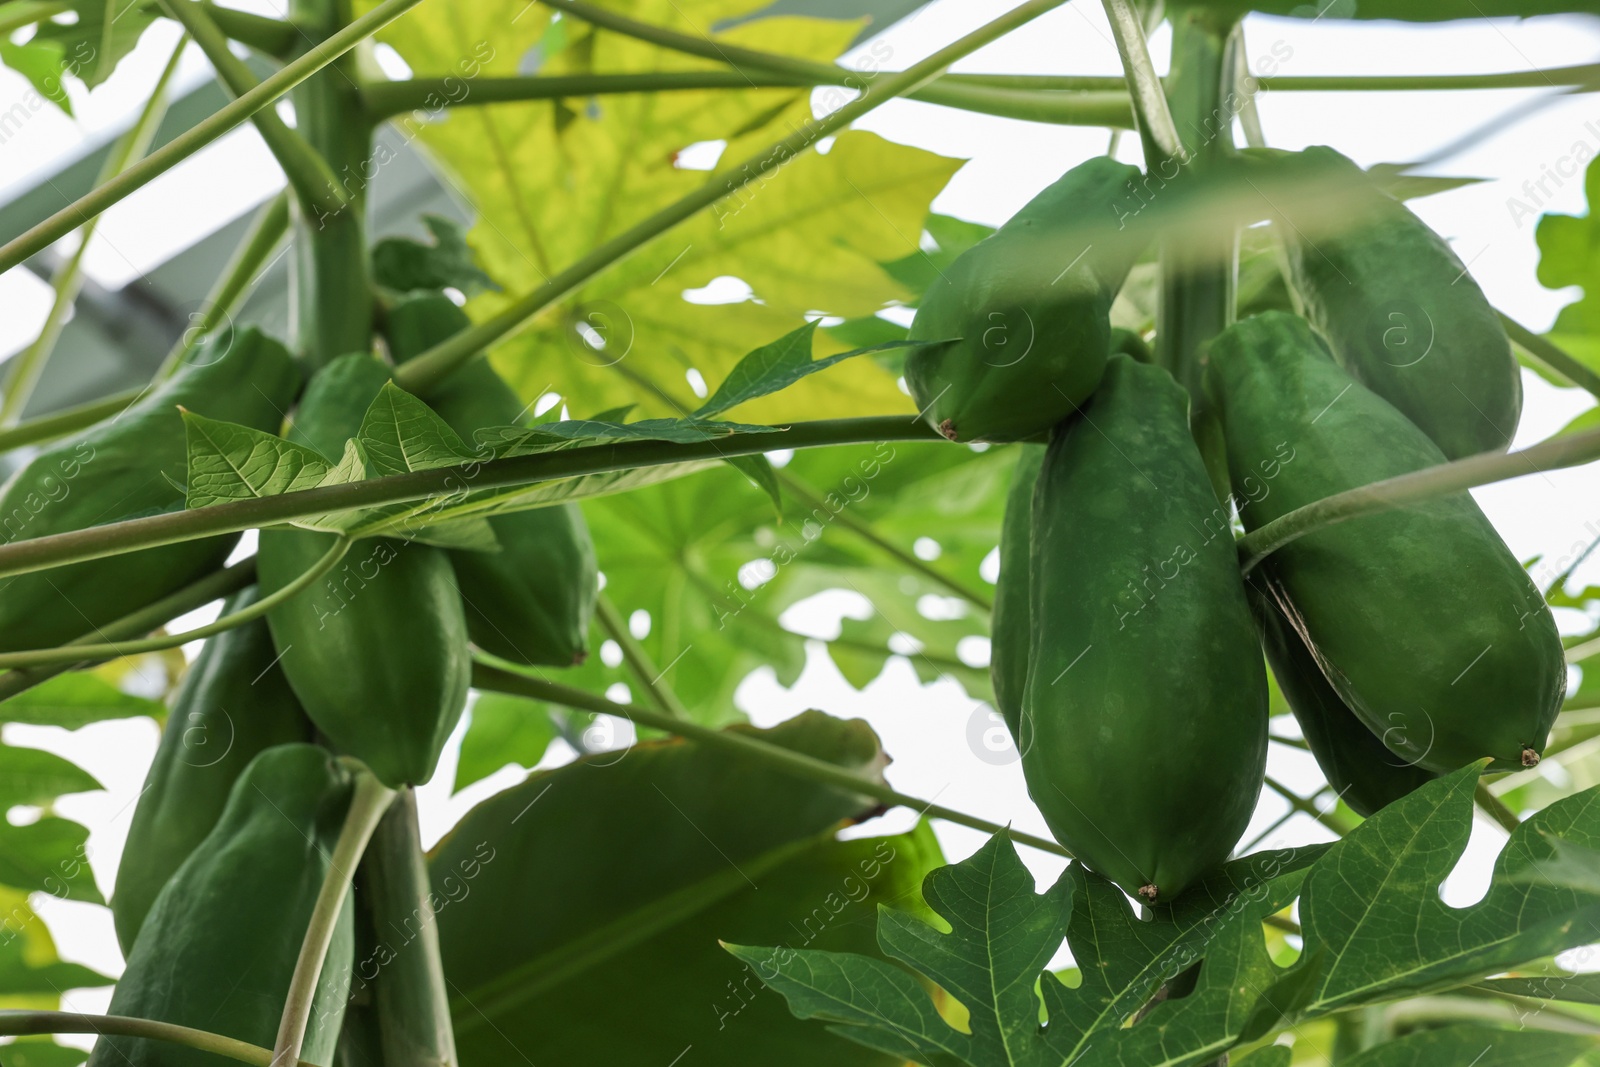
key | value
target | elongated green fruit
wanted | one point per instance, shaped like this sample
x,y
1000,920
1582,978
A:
x,y
1421,619
1144,720
1026,312
1012,626
219,946
1365,774
129,466
1405,318
233,704
532,601
377,653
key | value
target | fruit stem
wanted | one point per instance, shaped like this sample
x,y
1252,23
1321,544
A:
x,y
22,1023
370,800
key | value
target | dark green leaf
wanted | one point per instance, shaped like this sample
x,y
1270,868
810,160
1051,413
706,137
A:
x,y
48,856
404,264
74,700
572,433
1002,934
33,776
1477,1046
503,729
232,462
759,470
1385,876
1578,988
595,895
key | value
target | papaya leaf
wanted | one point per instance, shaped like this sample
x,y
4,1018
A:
x,y
1270,1056
48,856
552,179
502,730
781,363
1479,1046
1384,877
758,469
951,237
232,462
647,856
33,776
74,700
40,61
1001,936
401,434
403,264
104,32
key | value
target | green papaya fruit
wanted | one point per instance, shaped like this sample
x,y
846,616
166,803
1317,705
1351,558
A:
x,y
1365,774
1025,313
377,652
233,703
1421,619
1144,720
1011,622
532,601
219,946
1404,317
127,467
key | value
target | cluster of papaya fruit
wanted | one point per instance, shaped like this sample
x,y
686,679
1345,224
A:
x,y
245,798
1127,645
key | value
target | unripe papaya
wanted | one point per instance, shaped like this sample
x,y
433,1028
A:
x,y
1421,619
377,652
126,467
1404,317
1365,774
219,946
1144,720
1025,313
1011,623
532,601
233,704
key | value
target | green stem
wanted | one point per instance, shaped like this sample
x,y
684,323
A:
x,y
61,423
186,144
387,99
15,16
76,653
1495,808
332,291
1305,807
421,373
1584,75
26,369
269,36
370,801
412,1007
637,659
867,533
198,594
22,1023
790,762
1554,454
265,236
1551,356
1197,276
307,172
1156,127
97,542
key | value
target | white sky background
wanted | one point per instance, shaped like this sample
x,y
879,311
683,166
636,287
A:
x,y
927,728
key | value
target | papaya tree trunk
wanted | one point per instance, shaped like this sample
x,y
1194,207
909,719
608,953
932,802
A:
x,y
331,294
